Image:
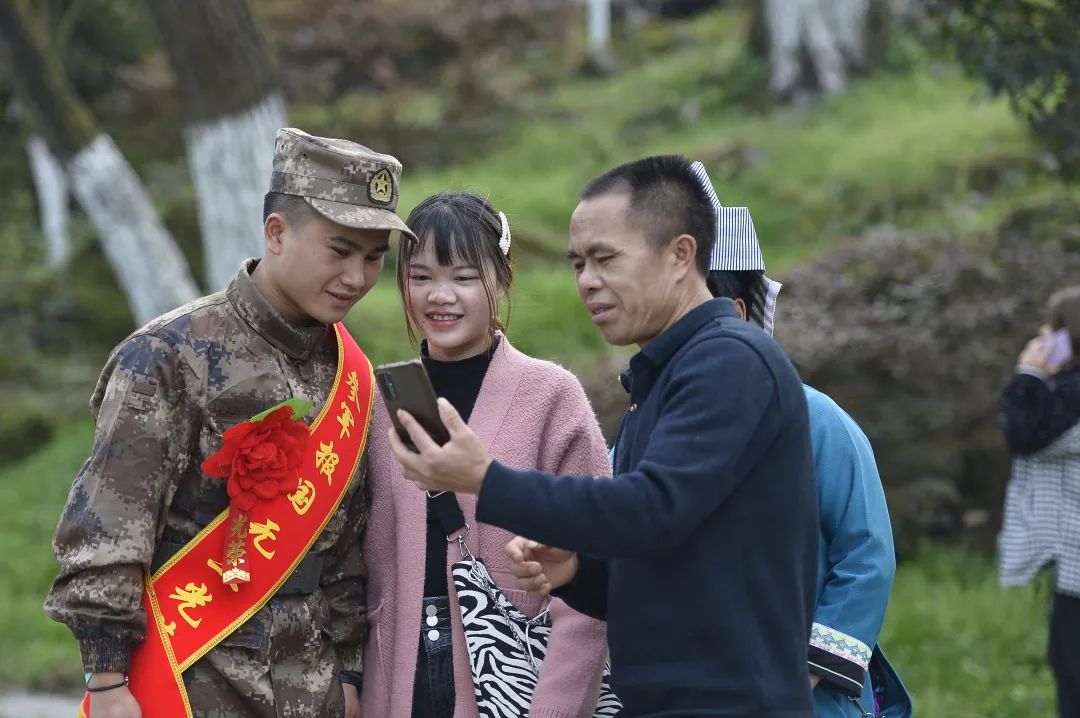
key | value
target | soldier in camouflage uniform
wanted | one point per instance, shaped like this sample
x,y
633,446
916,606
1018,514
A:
x,y
165,397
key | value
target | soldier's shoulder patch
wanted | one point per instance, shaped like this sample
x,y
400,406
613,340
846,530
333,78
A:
x,y
381,187
141,395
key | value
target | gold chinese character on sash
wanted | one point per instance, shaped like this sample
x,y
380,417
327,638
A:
x,y
191,596
303,497
216,567
236,548
326,460
170,628
345,418
354,388
264,532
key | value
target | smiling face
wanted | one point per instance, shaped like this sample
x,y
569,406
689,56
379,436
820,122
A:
x,y
449,304
627,283
315,270
454,275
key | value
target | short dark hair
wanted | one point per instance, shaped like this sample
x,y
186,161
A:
x,y
746,285
466,228
666,200
293,207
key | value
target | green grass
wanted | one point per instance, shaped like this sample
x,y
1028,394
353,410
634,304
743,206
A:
x,y
34,651
964,647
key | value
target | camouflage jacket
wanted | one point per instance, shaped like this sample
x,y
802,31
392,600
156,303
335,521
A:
x,y
166,395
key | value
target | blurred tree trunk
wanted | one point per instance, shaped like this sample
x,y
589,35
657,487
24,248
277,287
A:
x,y
598,37
51,187
149,266
228,84
815,45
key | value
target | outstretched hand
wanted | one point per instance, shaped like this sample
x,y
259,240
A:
x,y
458,465
539,568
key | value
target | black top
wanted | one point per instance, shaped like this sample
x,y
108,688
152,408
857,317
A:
x,y
459,383
1035,412
702,551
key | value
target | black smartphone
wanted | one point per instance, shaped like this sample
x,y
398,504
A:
x,y
405,385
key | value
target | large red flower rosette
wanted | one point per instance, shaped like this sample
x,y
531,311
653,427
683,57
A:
x,y
260,458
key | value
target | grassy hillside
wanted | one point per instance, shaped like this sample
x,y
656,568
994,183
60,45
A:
x,y
895,148
917,145
914,145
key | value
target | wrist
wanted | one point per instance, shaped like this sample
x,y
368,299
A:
x,y
1032,370
478,487
106,681
352,678
98,678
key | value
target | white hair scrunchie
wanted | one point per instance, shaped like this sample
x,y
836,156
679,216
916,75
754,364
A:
x,y
504,239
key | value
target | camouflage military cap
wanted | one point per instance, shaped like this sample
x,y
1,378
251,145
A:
x,y
345,182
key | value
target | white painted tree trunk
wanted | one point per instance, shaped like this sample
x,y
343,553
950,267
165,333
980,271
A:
x,y
149,266
231,159
848,19
50,183
598,27
831,32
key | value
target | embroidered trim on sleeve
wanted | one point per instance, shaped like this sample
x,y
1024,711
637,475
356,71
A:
x,y
840,644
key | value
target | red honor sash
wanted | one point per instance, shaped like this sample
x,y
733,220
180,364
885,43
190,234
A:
x,y
188,608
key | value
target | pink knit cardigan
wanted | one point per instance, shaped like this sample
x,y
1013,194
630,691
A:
x,y
531,414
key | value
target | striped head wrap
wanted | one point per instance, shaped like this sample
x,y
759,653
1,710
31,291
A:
x,y
737,250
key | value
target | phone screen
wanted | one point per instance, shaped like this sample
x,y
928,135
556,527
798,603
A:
x,y
1060,350
405,385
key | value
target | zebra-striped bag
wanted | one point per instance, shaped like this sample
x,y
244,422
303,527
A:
x,y
506,649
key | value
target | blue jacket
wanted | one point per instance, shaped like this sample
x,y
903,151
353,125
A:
x,y
702,551
856,565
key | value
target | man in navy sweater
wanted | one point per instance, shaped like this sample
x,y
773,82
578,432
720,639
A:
x,y
701,552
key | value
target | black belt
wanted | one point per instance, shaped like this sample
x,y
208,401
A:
x,y
301,582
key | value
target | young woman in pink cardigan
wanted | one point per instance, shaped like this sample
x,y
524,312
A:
x,y
532,414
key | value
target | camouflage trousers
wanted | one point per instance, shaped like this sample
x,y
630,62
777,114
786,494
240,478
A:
x,y
277,665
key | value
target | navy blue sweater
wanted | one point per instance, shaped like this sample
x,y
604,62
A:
x,y
1036,411
701,552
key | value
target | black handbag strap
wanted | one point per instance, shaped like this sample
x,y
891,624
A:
x,y
444,506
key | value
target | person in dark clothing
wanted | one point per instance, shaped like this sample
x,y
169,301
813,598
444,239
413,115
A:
x,y
1040,418
701,552
1042,401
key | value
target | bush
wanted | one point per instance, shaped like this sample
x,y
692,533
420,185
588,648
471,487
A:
x,y
915,335
24,427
